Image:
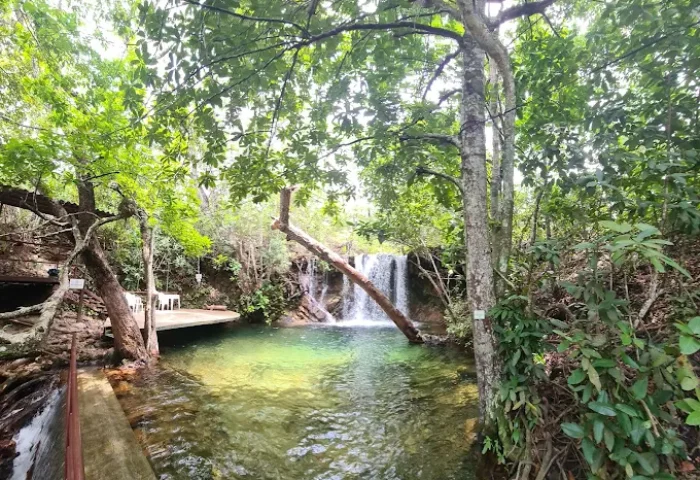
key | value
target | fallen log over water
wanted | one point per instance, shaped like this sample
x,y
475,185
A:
x,y
324,253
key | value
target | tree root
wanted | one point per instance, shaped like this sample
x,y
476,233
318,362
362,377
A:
x,y
22,312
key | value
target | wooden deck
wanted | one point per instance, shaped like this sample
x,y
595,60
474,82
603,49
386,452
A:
x,y
185,318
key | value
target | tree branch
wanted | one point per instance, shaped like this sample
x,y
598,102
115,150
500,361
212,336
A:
x,y
439,71
434,137
413,26
212,8
443,6
523,10
455,181
21,312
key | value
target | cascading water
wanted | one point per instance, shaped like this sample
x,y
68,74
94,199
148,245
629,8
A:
x,y
389,274
309,281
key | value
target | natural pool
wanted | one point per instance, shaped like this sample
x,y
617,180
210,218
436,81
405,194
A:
x,y
305,403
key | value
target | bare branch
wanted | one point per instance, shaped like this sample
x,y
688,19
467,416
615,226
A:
x,y
549,22
455,181
439,70
433,137
304,31
522,10
280,99
95,177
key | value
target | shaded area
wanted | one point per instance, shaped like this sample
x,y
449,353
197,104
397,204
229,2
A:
x,y
16,292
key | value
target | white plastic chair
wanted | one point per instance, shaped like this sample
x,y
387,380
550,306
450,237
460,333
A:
x,y
167,301
134,301
162,301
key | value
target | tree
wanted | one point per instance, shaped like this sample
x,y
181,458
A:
x,y
322,83
67,133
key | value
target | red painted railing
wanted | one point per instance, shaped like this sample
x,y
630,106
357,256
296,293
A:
x,y
74,447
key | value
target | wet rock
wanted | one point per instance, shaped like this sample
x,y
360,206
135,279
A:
x,y
7,448
121,388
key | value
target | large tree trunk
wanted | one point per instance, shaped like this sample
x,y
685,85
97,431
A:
x,y
496,146
128,342
329,256
150,336
127,338
479,266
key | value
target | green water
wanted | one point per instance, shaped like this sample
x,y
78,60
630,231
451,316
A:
x,y
316,403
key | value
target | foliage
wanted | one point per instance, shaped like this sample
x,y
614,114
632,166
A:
x,y
627,390
268,302
522,349
457,319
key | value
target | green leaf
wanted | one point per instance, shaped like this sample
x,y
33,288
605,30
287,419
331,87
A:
x,y
672,263
689,383
616,227
573,430
684,406
576,377
638,430
647,229
648,461
516,357
693,418
657,265
627,360
689,345
640,387
683,328
694,325
604,363
632,412
625,423
559,324
587,392
598,427
588,450
602,408
609,440
594,378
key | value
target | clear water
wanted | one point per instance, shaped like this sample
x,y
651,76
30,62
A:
x,y
305,403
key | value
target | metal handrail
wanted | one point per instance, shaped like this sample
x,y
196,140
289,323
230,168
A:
x,y
74,448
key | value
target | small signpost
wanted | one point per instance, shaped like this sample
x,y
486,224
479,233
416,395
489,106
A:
x,y
78,284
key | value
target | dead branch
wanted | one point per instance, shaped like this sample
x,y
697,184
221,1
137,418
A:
x,y
654,293
324,253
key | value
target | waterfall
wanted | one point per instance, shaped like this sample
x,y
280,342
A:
x,y
309,282
389,274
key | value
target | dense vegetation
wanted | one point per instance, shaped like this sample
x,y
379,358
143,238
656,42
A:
x,y
573,229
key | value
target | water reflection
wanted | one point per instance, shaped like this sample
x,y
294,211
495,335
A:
x,y
312,403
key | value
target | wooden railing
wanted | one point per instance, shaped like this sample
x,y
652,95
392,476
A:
x,y
74,448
